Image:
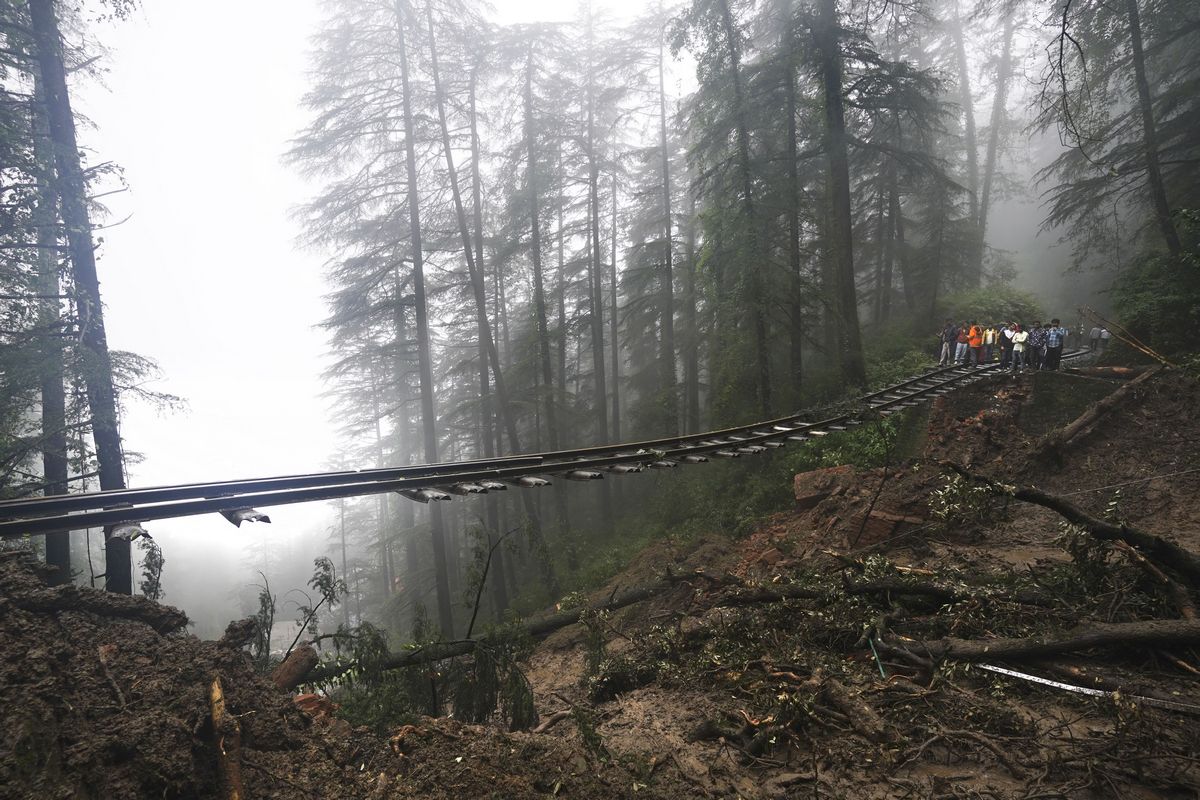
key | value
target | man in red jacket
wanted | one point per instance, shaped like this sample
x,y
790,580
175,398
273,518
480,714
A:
x,y
975,342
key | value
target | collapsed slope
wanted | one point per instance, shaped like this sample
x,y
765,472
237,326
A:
x,y
748,672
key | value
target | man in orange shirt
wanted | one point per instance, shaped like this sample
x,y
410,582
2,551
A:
x,y
975,342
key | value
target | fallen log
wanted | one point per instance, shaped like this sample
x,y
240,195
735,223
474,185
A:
x,y
1053,442
1182,560
290,673
1124,373
440,651
768,594
1120,634
943,594
862,716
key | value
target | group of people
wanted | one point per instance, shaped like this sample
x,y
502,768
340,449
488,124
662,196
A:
x,y
1098,339
1016,347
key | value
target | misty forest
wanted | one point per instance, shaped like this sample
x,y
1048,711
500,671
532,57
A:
x,y
755,398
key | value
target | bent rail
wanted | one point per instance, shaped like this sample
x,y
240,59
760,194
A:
x,y
437,482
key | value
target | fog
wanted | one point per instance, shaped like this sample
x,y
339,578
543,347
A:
x,y
203,269
203,273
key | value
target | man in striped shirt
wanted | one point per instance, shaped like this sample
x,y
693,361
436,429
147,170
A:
x,y
1056,334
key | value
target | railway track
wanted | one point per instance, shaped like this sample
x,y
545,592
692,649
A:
x,y
237,500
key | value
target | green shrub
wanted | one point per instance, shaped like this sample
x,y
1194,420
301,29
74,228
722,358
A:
x,y
990,304
1158,298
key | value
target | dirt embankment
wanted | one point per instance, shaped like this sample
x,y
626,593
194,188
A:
x,y
798,664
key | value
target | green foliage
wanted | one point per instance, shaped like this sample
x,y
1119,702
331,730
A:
x,y
152,567
961,501
330,589
992,304
1158,297
264,623
594,645
1091,558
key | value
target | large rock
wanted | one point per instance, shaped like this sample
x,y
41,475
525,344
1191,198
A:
x,y
814,486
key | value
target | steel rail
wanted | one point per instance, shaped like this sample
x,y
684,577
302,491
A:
x,y
632,457
55,504
61,504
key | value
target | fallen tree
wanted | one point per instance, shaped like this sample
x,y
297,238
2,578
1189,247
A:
x,y
1120,634
535,629
1053,442
1182,560
742,595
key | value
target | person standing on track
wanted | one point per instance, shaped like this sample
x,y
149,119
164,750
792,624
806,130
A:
x,y
975,342
1056,336
1006,344
1094,339
1019,338
989,343
1104,337
949,340
1035,347
961,346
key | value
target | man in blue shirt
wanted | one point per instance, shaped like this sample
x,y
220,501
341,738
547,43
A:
x,y
1056,334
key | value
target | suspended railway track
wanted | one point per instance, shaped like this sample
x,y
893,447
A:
x,y
236,500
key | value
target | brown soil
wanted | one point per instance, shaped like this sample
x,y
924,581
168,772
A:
x,y
105,698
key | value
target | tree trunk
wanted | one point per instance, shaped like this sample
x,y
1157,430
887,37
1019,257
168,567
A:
x,y
614,323
535,247
999,102
424,358
382,518
595,267
498,411
55,470
755,300
561,277
897,215
72,191
691,336
539,301
345,569
488,352
889,246
796,306
1158,193
667,351
880,237
967,101
841,244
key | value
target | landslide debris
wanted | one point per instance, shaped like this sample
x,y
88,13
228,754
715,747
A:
x,y
815,658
